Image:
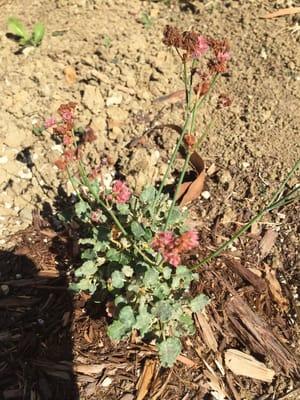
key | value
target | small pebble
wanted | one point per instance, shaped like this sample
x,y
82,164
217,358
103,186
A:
x,y
107,381
205,195
4,289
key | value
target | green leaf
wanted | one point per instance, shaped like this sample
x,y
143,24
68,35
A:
x,y
117,279
127,271
116,330
88,268
123,209
161,291
182,278
88,254
81,209
133,288
148,195
167,271
187,323
199,302
101,246
117,256
17,28
175,216
143,322
163,310
119,300
151,277
83,284
126,316
137,230
38,33
168,351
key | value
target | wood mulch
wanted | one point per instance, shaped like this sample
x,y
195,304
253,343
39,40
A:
x,y
54,345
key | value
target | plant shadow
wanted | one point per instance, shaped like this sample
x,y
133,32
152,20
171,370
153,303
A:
x,y
36,356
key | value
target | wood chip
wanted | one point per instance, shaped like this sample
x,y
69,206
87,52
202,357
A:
x,y
282,12
186,361
275,288
244,364
145,379
206,331
255,332
258,283
89,369
267,242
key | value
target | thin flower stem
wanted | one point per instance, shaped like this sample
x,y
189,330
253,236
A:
x,y
271,206
186,163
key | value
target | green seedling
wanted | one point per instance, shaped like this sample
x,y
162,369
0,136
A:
x,y
17,28
106,41
146,20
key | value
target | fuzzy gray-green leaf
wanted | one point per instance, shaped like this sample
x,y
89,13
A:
x,y
117,279
126,316
116,330
199,302
169,350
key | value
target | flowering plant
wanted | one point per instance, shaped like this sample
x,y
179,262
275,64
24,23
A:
x,y
133,247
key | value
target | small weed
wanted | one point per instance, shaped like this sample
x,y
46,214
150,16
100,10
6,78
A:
x,y
146,20
16,27
107,41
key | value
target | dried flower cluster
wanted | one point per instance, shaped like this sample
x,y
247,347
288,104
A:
x,y
195,46
65,129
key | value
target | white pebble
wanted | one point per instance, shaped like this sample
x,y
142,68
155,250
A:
x,y
205,195
3,160
107,381
4,289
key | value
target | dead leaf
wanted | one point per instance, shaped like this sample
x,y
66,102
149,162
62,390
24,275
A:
x,y
191,190
244,364
194,190
145,379
267,242
282,12
275,288
174,97
70,75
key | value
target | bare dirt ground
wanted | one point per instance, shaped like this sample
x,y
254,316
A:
x,y
122,67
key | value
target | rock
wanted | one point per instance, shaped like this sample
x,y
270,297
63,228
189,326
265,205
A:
x,y
13,137
3,160
225,177
25,173
141,168
26,215
92,99
205,195
4,289
114,99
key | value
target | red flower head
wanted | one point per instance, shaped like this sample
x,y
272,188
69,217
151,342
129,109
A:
x,y
121,192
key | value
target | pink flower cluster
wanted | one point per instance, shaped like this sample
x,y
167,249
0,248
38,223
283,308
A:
x,y
121,192
201,47
171,247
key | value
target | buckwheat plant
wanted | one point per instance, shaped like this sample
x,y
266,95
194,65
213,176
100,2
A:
x,y
133,246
